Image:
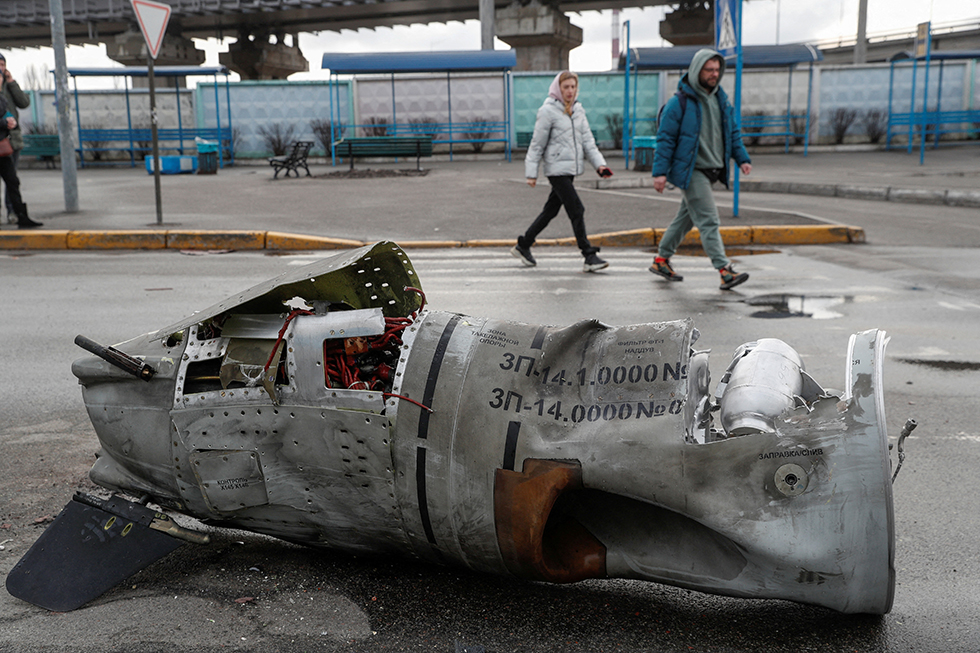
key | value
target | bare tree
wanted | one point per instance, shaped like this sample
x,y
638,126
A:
x,y
875,123
375,127
38,78
277,137
840,121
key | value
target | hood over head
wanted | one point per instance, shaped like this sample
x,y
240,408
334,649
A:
x,y
700,58
554,91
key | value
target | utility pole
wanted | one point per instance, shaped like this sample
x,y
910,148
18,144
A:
x,y
69,173
861,46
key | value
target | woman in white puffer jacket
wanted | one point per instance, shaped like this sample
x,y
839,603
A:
x,y
562,139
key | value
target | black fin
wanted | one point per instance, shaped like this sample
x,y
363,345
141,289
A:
x,y
90,547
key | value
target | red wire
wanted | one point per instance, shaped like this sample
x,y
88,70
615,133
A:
x,y
282,334
392,394
419,291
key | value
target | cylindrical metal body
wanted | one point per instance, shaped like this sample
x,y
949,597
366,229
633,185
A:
x,y
763,385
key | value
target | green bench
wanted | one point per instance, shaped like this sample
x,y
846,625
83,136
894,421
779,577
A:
x,y
44,146
374,146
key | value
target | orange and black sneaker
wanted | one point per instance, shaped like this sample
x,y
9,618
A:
x,y
730,278
662,267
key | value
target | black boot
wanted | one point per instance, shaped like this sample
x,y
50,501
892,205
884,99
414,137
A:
x,y
24,221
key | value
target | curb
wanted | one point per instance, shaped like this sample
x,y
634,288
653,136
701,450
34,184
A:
x,y
959,198
143,239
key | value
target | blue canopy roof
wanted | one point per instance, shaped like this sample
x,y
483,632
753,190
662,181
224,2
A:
x,y
419,62
753,56
142,71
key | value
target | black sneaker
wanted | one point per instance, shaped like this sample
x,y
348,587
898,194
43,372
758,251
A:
x,y
593,263
662,267
730,278
524,253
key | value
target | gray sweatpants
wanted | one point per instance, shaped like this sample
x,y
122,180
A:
x,y
697,210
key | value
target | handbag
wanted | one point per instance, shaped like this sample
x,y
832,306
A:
x,y
6,149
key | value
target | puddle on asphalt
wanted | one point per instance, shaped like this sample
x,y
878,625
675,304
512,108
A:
x,y
816,307
946,366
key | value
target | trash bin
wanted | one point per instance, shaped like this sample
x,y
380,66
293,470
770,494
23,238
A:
x,y
207,157
643,146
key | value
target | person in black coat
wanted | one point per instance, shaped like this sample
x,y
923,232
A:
x,y
8,171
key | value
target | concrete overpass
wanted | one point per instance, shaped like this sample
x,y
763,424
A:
x,y
882,47
540,30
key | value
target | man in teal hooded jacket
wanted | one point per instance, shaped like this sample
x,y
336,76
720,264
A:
x,y
696,139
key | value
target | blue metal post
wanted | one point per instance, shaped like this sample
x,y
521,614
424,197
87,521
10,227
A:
x,y
738,95
789,109
809,96
627,117
925,99
180,124
217,120
449,97
939,104
912,111
891,87
231,128
78,123
129,124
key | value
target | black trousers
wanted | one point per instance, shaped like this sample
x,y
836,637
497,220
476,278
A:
x,y
8,172
562,194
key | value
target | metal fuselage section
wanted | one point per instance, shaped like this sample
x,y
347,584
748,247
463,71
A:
x,y
549,453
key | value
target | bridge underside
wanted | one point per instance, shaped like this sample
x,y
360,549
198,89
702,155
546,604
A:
x,y
26,23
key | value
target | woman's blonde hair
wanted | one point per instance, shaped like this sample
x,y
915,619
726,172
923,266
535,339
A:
x,y
561,78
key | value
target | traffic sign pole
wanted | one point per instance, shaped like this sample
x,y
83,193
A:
x,y
152,18
728,42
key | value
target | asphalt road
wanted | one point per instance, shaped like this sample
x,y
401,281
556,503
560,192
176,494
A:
x,y
925,295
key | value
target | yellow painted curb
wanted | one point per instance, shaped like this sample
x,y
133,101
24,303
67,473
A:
x,y
130,239
736,235
806,235
729,236
204,239
632,238
283,241
48,239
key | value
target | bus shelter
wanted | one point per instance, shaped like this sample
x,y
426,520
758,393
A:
x,y
931,122
451,131
679,58
133,138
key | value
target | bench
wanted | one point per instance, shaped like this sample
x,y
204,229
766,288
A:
x,y
137,142
417,146
44,146
475,133
763,126
293,161
935,122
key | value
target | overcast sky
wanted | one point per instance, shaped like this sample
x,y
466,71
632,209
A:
x,y
798,21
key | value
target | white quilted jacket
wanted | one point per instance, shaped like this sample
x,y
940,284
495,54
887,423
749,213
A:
x,y
562,141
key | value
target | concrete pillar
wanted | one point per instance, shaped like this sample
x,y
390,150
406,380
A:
x,y
542,35
488,27
129,49
689,24
256,58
